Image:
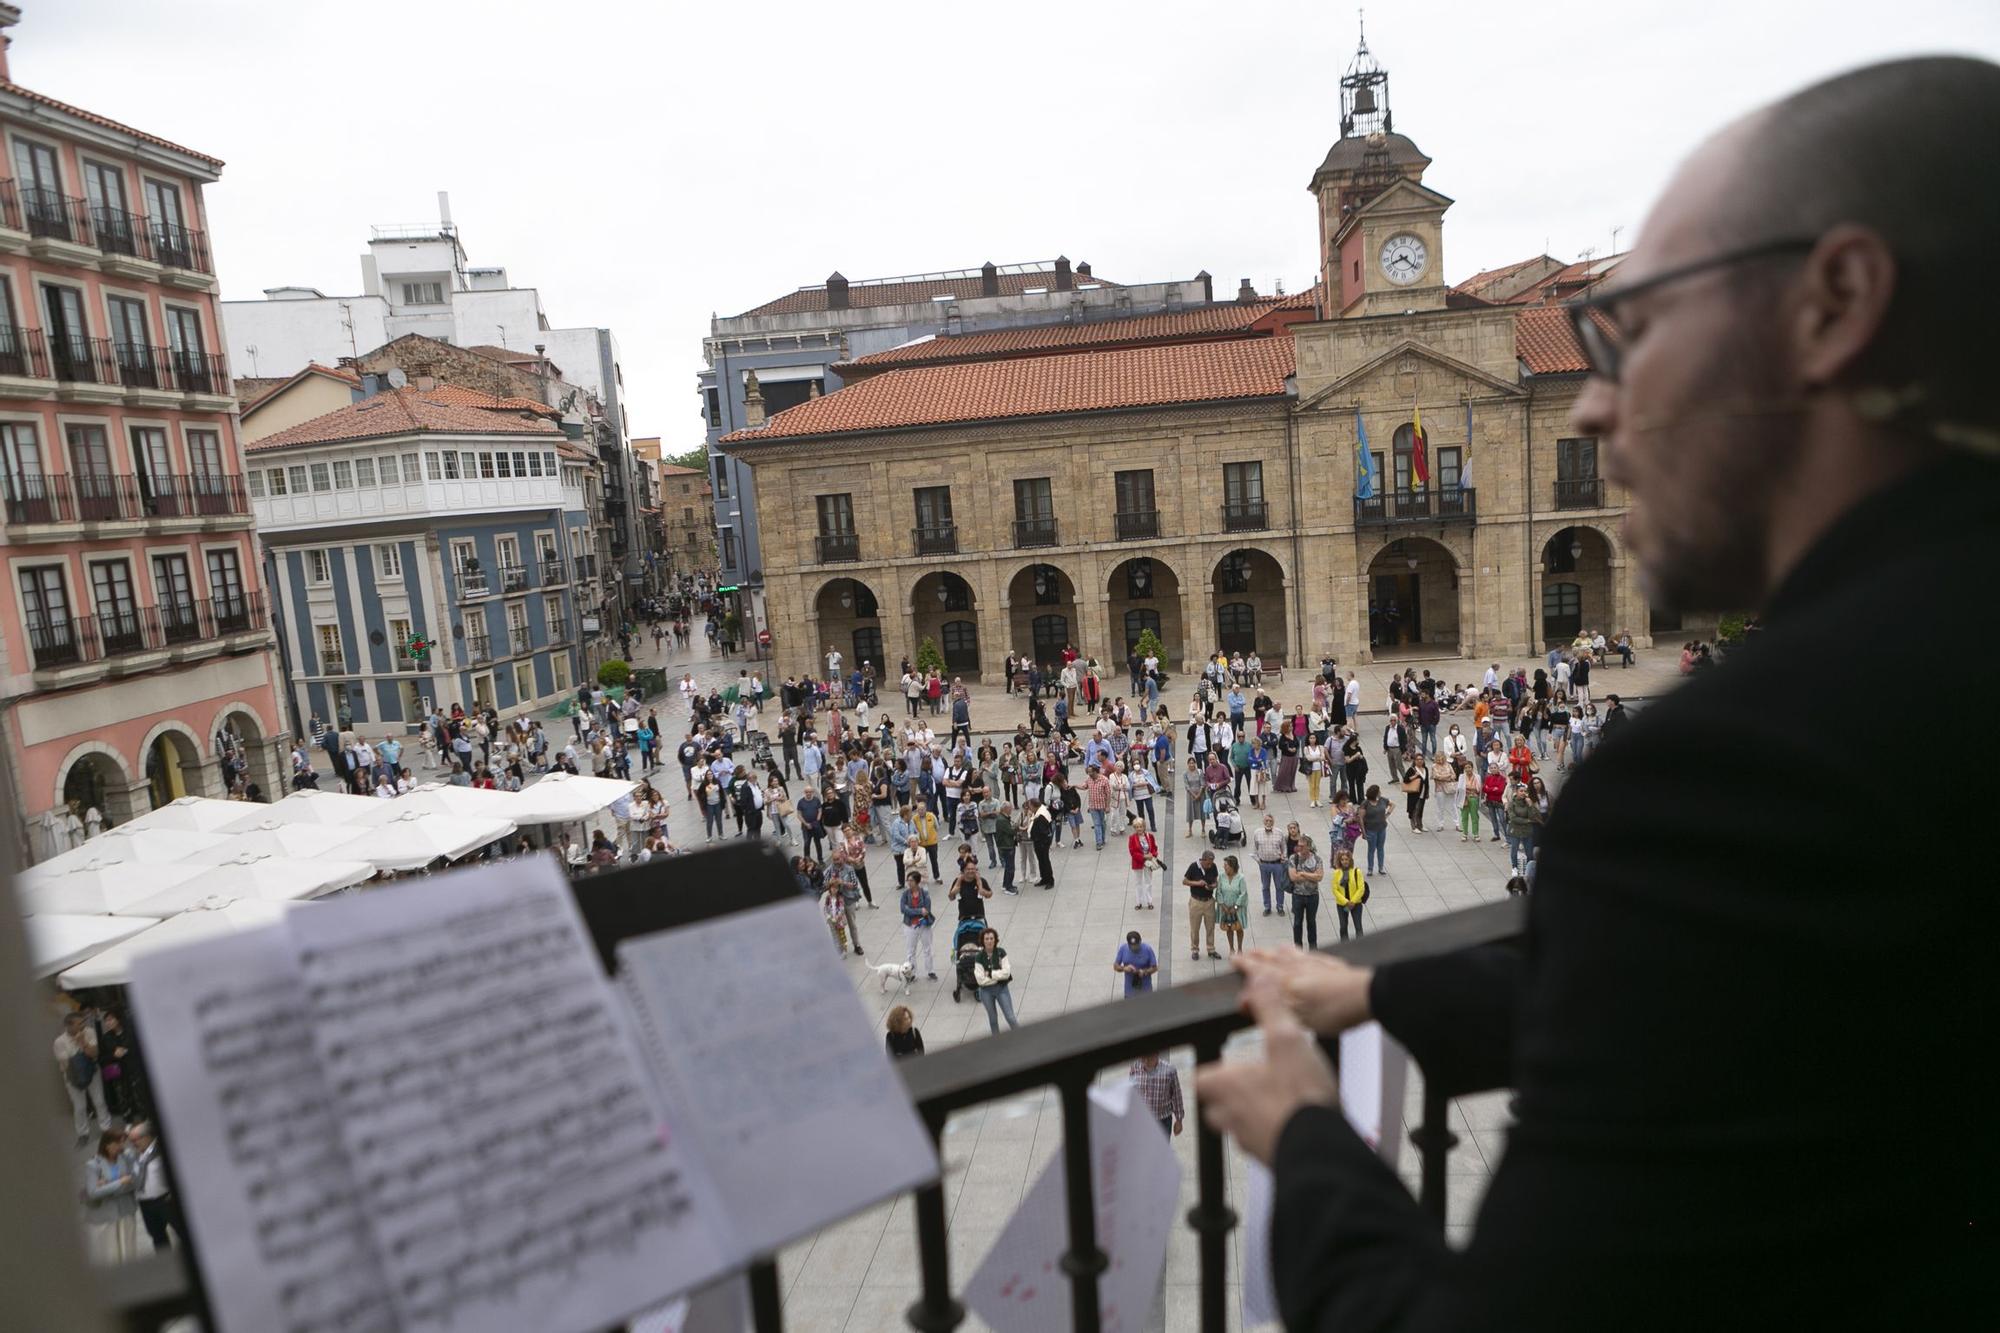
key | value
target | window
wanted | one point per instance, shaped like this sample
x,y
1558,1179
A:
x,y
1051,636
399,637
364,472
225,581
545,552
1135,492
388,561
153,463
45,605
957,593
450,465
465,558
387,464
319,569
934,509
687,513
432,470
1576,460
789,393
331,659
204,448
548,462
410,474
1236,627
297,474
713,398
128,332
721,477
1562,610
520,464
1138,622
1233,575
534,465
504,465
321,478
728,536
552,616
486,466
1034,501
343,474
1403,450
960,641
836,515
257,485
1243,485
118,627
423,293
21,453
1450,466
508,552
1139,586
173,593
276,480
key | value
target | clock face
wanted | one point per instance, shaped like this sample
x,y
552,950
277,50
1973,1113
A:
x,y
1404,258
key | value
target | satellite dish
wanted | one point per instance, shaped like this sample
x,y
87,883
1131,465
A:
x,y
397,379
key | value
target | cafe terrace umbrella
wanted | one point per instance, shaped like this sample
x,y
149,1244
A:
x,y
306,807
441,798
256,877
57,942
561,798
124,844
415,838
113,966
299,842
100,888
192,814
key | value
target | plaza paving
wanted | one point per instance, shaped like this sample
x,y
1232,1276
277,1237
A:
x,y
860,1275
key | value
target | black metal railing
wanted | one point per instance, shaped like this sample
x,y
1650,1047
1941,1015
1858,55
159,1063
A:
x,y
178,246
1137,524
184,622
478,648
522,639
513,578
23,352
549,573
79,360
120,232
409,661
332,664
37,498
236,615
1417,506
472,583
202,372
118,633
938,539
835,546
102,497
1034,532
10,204
142,367
1244,516
56,642
559,631
586,566
52,215
1579,492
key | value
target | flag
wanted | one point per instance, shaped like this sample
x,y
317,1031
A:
x,y
1418,462
1465,464
1364,477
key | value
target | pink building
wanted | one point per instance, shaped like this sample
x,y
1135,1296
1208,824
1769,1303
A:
x,y
136,660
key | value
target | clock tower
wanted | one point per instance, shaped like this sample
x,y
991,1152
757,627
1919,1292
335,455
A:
x,y
1381,231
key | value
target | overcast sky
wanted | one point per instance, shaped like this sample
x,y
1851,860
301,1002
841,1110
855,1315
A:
x,y
648,164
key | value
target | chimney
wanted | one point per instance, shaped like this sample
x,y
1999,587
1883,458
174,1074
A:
x,y
989,279
1207,286
1083,269
753,397
1246,294
836,291
1064,282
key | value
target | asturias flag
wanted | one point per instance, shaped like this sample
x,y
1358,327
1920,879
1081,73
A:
x,y
1364,476
1418,461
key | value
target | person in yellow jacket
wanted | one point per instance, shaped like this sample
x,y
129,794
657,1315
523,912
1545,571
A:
x,y
927,838
1350,890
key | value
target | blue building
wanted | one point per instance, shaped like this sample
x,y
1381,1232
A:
x,y
425,545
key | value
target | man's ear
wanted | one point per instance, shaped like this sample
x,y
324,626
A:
x,y
1846,286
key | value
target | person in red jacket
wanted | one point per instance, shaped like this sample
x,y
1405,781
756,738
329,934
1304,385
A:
x,y
1493,792
1145,850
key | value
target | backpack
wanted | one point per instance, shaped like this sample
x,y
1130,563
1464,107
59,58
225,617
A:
x,y
80,1070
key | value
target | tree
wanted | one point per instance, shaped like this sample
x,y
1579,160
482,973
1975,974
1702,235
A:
x,y
1149,645
696,458
928,656
614,673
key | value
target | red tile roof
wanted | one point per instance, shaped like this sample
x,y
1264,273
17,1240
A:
x,y
105,122
1040,386
916,291
1206,323
258,391
1546,343
461,397
1477,284
676,470
405,412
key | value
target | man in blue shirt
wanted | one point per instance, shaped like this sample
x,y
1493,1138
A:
x,y
1236,703
1136,959
811,760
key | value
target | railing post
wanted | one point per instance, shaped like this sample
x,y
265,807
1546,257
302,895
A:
x,y
1211,1217
937,1311
1434,1141
1084,1260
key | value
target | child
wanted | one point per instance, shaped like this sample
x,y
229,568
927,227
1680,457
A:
x,y
903,1039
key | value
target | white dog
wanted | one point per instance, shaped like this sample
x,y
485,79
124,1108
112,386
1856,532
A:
x,y
894,972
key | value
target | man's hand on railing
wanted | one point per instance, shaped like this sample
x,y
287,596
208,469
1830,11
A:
x,y
1252,1101
1326,994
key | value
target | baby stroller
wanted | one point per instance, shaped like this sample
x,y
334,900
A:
x,y
1228,826
762,751
965,948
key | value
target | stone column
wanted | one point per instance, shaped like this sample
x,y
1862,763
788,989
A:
x,y
125,803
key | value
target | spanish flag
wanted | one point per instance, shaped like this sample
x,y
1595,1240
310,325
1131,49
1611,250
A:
x,y
1418,461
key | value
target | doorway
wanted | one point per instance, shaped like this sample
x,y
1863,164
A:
x,y
1395,610
960,646
482,690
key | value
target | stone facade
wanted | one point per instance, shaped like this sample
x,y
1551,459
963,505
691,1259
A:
x,y
414,354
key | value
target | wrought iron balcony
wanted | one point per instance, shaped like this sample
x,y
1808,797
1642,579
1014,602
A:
x,y
37,498
10,205
1034,532
79,360
837,546
549,573
472,583
120,232
52,215
178,246
1244,516
181,623
478,648
513,578
1579,492
203,372
1415,506
142,367
105,497
939,539
23,352
559,631
1137,524
522,638
236,615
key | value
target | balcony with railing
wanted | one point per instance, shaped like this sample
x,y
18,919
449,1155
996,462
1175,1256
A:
x,y
142,367
120,232
173,624
54,216
1579,492
79,360
1137,524
241,614
1034,532
472,582
1416,506
937,539
1244,516
550,573
559,630
10,205
178,246
520,639
203,373
478,648
23,353
513,578
38,498
839,546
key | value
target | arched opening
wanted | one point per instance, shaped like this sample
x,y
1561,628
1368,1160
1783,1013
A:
x,y
173,768
943,607
1413,600
1249,597
1041,614
1146,595
89,784
850,619
1576,585
239,749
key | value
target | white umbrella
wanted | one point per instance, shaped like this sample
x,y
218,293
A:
x,y
195,814
442,798
100,888
57,942
299,842
560,798
306,807
415,838
125,844
260,877
113,966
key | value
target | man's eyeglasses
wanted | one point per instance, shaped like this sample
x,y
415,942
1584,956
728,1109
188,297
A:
x,y
1602,346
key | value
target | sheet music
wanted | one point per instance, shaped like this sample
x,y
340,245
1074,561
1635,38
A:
x,y
502,1134
257,1162
765,1053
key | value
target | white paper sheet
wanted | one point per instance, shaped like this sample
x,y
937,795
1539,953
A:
x,y
1020,1286
767,1058
503,1136
1373,1071
257,1161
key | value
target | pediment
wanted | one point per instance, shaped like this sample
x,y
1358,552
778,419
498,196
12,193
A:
x,y
1393,362
1405,196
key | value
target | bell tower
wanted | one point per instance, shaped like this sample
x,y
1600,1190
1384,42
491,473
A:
x,y
1380,230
